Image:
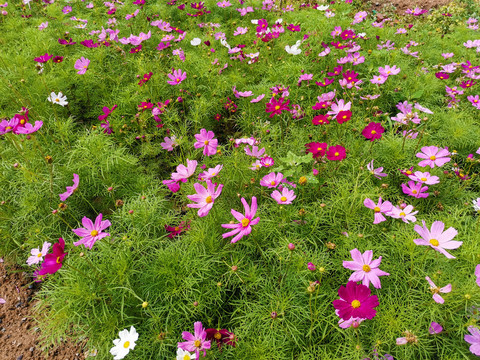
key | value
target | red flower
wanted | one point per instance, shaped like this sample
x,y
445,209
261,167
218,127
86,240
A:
x,y
320,120
177,230
145,78
221,336
52,262
355,301
442,75
344,116
106,113
276,107
373,131
336,153
316,148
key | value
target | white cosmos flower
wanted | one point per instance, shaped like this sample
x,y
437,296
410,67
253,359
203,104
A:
x,y
124,344
195,41
185,355
323,7
476,204
59,99
293,50
254,21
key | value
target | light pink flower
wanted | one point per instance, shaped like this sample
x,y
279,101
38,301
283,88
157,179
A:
x,y
206,140
415,189
477,274
82,65
184,172
177,77
433,156
204,198
91,232
258,98
378,79
436,290
387,70
366,269
437,238
424,178
271,180
435,328
195,342
244,227
405,214
256,165
473,339
284,198
340,106
381,207
375,172
37,255
70,189
255,152
169,143
210,173
352,322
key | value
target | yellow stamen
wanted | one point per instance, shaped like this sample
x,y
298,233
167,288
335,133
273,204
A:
x,y
376,209
423,179
373,132
39,255
414,191
126,344
245,222
209,200
206,142
356,304
94,233
217,336
434,242
197,343
177,228
272,183
337,153
433,158
187,357
277,107
366,268
402,214
283,198
58,260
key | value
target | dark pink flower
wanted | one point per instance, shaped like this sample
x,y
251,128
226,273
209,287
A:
x,y
70,189
195,342
92,232
245,222
355,301
373,131
53,261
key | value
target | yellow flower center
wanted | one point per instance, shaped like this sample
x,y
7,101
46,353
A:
x,y
277,107
283,198
408,172
8,128
39,255
57,100
58,260
177,228
206,142
424,179
213,174
209,200
402,214
94,233
337,153
187,357
366,268
434,242
319,149
373,132
245,222
356,304
197,343
178,80
85,66
126,344
376,209
414,191
272,183
433,158
22,121
217,335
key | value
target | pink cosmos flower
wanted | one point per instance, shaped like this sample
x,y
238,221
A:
x,y
382,207
373,131
355,301
91,232
437,238
365,269
415,189
340,106
53,262
424,178
435,290
379,79
210,173
37,255
435,328
177,77
43,25
132,15
184,172
375,172
244,227
474,340
204,198
106,112
206,140
311,266
433,156
336,153
352,322
82,65
255,152
405,214
267,161
70,189
284,198
477,274
256,165
387,70
170,143
271,180
258,98
240,31
197,341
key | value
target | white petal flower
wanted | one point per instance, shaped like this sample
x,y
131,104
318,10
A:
x,y
59,99
195,41
124,344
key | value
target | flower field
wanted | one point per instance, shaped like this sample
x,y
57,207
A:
x,y
244,179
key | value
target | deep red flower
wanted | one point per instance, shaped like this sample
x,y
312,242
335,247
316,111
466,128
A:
x,y
106,112
344,116
320,120
336,153
145,78
321,105
58,59
221,336
136,49
442,75
177,230
52,262
355,301
317,149
373,131
276,107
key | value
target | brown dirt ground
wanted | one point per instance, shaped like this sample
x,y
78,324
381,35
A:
x,y
19,336
402,5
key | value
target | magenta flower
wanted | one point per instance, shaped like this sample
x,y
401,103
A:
x,y
311,266
437,238
435,290
284,198
474,340
373,131
197,341
383,207
355,301
276,107
477,274
43,58
366,269
184,172
91,232
70,189
106,112
435,328
271,180
37,254
204,198
206,140
433,156
415,189
244,227
169,143
52,262
177,77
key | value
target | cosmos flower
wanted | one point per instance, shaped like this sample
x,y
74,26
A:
x,y
383,207
184,172
271,180
204,198
437,238
197,341
336,153
405,213
355,301
435,328
317,149
375,172
206,141
52,262
124,344
37,254
82,65
366,270
177,77
373,131
285,197
91,232
433,156
70,189
436,290
59,99
210,173
244,227
473,340
417,190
